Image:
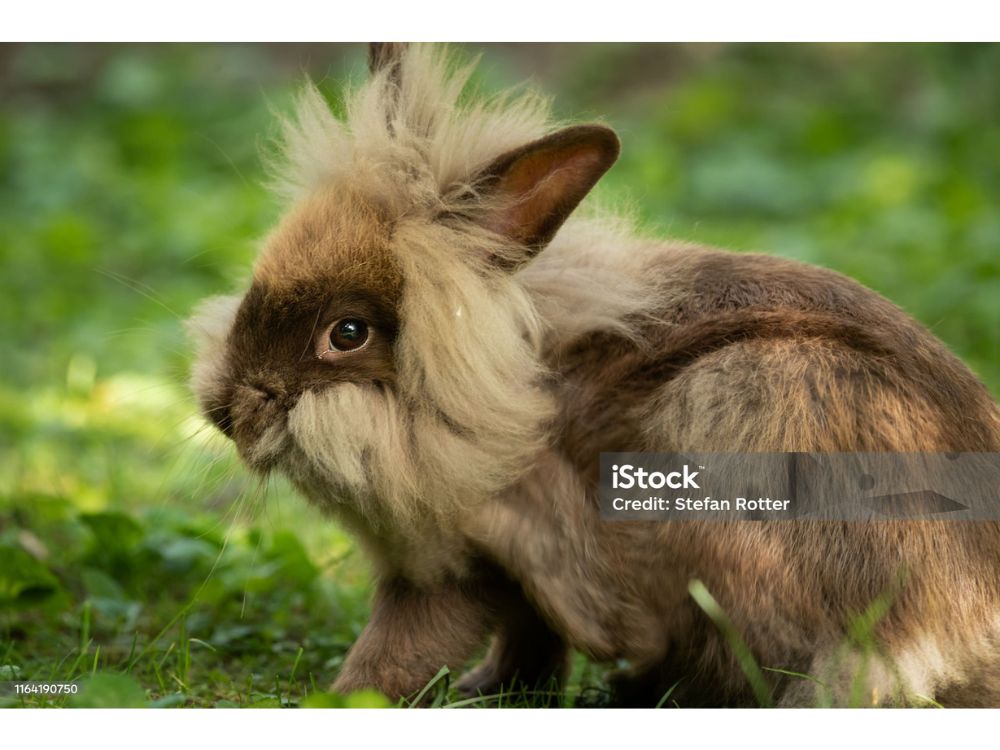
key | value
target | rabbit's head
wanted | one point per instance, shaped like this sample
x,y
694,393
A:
x,y
385,354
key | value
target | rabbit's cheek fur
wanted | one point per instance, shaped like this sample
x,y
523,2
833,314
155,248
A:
x,y
270,360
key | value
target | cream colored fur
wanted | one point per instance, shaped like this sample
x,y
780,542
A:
x,y
423,131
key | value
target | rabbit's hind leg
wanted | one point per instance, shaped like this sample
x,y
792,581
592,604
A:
x,y
526,659
981,686
919,674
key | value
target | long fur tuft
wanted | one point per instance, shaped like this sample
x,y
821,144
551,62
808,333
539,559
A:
x,y
414,123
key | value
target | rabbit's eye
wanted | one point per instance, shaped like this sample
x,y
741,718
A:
x,y
348,334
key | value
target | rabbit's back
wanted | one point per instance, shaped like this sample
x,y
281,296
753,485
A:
x,y
737,352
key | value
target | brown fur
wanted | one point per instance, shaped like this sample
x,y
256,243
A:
x,y
461,444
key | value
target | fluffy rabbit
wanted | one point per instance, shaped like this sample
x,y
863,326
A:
x,y
435,353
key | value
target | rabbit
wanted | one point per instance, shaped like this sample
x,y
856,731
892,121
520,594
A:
x,y
435,349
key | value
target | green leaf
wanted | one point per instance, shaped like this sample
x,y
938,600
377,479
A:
x,y
360,699
182,553
295,563
108,690
101,586
323,700
270,702
113,531
367,699
24,581
169,701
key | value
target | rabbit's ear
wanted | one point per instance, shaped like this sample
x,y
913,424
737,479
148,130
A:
x,y
536,187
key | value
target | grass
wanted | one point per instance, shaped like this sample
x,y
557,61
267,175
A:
x,y
135,554
748,665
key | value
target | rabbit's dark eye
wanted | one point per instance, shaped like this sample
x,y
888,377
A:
x,y
348,334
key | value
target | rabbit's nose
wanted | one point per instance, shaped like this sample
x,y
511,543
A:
x,y
254,403
242,403
263,392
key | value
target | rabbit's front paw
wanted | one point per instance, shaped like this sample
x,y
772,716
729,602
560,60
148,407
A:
x,y
481,681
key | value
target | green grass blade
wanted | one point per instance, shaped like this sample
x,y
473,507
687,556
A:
x,y
749,666
442,673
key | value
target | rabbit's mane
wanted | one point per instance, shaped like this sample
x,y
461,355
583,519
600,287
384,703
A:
x,y
475,399
418,121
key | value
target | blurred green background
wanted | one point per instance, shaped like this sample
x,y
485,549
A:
x,y
134,552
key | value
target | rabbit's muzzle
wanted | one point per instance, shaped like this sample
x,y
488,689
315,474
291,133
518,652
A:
x,y
254,415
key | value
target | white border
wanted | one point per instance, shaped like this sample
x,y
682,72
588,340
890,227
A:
x,y
500,20
504,20
607,729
